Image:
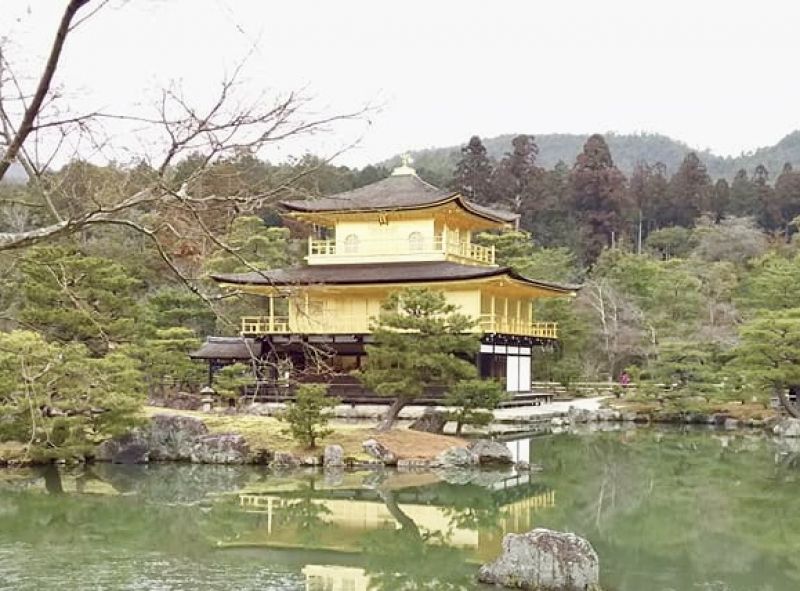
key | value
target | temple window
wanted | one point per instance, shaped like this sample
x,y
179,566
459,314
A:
x,y
351,244
415,241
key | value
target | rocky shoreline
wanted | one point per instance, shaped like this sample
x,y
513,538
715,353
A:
x,y
181,438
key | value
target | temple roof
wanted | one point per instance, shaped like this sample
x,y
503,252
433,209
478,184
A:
x,y
227,348
396,192
375,273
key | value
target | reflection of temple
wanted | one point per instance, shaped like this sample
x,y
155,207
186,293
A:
x,y
321,577
342,516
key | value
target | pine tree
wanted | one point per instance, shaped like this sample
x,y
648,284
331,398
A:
x,y
598,197
421,341
769,211
473,174
68,296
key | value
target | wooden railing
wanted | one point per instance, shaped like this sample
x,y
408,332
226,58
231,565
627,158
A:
x,y
424,247
360,324
255,325
509,325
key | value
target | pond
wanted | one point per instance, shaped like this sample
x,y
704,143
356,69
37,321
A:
x,y
664,510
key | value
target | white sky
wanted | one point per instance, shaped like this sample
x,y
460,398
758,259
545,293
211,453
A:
x,y
716,74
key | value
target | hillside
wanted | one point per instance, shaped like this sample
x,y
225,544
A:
x,y
627,149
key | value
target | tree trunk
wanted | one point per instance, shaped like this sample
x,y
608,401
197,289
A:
x,y
788,405
459,424
52,480
406,523
391,415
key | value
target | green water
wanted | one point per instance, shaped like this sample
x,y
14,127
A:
x,y
664,510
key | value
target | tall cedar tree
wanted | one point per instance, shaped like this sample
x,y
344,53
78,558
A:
x,y
688,194
421,341
787,195
473,174
769,213
515,178
647,189
598,196
743,201
720,200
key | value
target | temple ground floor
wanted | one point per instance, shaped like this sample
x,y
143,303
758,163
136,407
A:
x,y
283,360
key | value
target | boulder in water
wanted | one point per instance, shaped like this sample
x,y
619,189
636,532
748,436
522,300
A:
x,y
333,456
220,449
379,451
787,427
490,452
544,560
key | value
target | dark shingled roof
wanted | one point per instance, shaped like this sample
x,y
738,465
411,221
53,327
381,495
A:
x,y
227,348
380,273
404,191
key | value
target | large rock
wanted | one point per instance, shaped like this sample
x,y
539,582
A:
x,y
787,427
379,451
333,456
431,421
490,452
544,560
284,460
455,457
130,448
220,449
172,437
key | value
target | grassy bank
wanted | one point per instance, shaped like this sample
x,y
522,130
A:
x,y
267,433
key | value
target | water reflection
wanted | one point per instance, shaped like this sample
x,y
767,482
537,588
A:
x,y
665,511
409,531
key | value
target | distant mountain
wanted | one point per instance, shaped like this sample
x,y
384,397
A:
x,y
627,149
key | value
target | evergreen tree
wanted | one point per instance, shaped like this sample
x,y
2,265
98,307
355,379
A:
x,y
769,211
647,189
720,199
688,194
308,415
743,195
787,196
71,297
421,341
59,400
598,197
516,178
473,174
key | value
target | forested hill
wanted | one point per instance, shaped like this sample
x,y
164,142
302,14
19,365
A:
x,y
628,149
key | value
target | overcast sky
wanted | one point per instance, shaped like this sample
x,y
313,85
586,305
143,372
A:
x,y
716,74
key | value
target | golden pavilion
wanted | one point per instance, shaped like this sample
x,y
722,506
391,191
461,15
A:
x,y
366,243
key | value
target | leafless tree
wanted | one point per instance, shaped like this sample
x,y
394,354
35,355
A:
x,y
35,133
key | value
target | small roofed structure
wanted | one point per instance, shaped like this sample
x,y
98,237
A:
x,y
230,349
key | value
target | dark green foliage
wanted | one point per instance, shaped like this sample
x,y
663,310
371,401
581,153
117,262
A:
x,y
688,194
473,173
58,400
420,341
308,416
598,197
68,296
473,401
768,355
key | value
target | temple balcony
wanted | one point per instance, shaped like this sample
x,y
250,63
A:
x,y
392,250
253,326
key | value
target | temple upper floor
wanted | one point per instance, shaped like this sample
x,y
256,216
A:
x,y
398,219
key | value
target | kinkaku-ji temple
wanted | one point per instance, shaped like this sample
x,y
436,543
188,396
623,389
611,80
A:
x,y
365,244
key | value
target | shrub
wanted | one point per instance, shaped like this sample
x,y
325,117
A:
x,y
474,400
307,417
